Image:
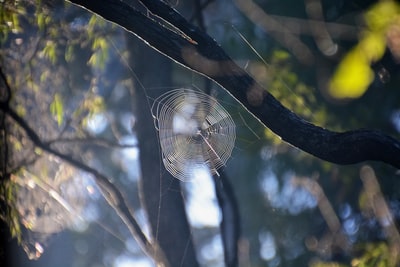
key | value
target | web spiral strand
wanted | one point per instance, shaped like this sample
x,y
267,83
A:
x,y
195,131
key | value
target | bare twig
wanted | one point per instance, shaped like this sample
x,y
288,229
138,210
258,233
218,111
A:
x,y
94,140
280,32
206,57
110,192
381,211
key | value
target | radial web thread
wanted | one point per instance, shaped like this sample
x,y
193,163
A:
x,y
195,131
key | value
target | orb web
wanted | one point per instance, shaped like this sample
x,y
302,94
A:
x,y
195,131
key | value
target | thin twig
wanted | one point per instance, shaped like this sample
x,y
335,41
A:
x,y
110,192
94,140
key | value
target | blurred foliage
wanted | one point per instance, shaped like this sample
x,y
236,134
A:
x,y
10,213
47,59
354,74
57,109
67,67
9,18
373,255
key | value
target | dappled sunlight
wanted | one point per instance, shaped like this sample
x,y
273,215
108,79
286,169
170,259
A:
x,y
286,195
81,246
49,198
213,251
128,157
142,219
90,117
201,202
97,123
354,73
268,247
395,120
128,261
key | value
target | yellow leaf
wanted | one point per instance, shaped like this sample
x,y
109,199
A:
x,y
381,15
373,45
352,77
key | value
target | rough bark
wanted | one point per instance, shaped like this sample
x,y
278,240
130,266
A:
x,y
159,192
196,50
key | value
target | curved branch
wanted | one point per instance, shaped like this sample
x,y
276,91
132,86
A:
x,y
110,192
197,51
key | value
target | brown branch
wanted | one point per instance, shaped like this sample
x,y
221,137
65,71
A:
x,y
93,140
6,94
202,54
159,192
110,192
279,31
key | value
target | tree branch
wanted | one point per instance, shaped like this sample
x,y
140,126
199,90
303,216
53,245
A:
x,y
197,51
110,192
160,193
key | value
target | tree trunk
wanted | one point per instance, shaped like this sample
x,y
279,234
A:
x,y
160,192
195,50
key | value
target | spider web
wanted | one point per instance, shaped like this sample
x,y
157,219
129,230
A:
x,y
194,130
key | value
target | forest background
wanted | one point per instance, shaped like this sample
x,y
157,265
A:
x,y
76,147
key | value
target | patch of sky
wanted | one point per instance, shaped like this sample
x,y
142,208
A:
x,y
181,124
110,256
395,119
202,205
128,158
345,211
81,246
267,248
267,152
79,23
394,206
131,152
127,120
132,246
351,226
91,212
143,222
350,220
287,196
80,225
129,261
293,242
213,251
97,123
118,93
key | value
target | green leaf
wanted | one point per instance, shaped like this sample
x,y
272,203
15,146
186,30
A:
x,y
49,51
57,109
40,20
100,53
69,53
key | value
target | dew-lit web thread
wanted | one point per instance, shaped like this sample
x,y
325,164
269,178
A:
x,y
195,131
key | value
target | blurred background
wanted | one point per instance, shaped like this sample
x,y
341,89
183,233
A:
x,y
81,84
